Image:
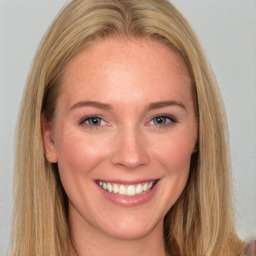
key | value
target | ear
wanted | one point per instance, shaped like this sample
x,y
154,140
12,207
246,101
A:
x,y
49,146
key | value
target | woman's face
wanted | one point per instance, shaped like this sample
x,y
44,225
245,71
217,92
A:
x,y
123,136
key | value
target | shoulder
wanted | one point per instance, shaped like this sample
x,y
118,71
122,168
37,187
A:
x,y
250,248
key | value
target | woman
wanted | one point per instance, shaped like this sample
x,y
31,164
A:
x,y
128,136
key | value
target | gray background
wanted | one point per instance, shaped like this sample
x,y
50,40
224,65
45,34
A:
x,y
227,30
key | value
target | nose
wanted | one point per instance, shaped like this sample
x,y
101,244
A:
x,y
130,151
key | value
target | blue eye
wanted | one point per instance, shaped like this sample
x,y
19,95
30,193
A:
x,y
93,121
162,120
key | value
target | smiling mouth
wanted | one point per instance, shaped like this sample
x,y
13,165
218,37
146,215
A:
x,y
127,190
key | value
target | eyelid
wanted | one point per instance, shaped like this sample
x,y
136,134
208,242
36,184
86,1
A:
x,y
86,118
171,118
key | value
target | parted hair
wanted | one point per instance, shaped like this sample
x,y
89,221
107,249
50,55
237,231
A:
x,y
201,222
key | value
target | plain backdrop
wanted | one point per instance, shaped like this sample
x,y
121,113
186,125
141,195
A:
x,y
227,30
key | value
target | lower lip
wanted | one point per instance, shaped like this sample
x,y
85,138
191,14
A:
x,y
136,200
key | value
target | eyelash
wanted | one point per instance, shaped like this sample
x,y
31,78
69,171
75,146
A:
x,y
170,121
87,119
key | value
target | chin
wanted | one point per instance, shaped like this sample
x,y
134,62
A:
x,y
132,227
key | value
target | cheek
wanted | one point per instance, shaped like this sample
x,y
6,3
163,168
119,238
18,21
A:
x,y
175,158
174,152
78,156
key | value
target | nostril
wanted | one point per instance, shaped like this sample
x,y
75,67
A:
x,y
130,156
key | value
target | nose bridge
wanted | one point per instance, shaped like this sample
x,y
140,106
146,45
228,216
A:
x,y
130,150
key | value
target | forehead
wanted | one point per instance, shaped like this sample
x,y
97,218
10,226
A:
x,y
125,67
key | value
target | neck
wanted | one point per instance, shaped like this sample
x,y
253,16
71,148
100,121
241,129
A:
x,y
88,241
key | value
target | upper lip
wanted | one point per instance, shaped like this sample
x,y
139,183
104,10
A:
x,y
127,182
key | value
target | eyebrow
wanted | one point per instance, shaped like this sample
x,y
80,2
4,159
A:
x,y
153,105
94,104
162,104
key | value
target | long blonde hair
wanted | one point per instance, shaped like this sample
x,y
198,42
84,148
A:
x,y
202,220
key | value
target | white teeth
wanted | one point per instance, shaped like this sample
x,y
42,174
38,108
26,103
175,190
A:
x,y
109,188
145,187
115,189
122,190
139,189
129,190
